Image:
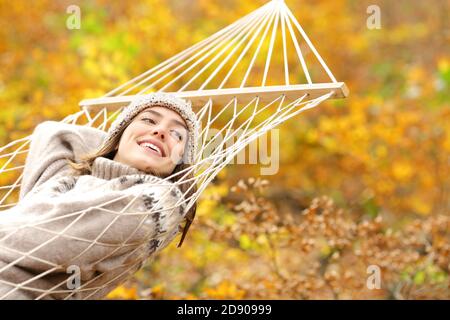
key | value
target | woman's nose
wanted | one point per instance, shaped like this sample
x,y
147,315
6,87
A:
x,y
158,131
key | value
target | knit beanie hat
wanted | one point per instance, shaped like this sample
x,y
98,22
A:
x,y
170,101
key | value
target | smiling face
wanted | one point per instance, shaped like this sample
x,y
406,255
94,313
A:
x,y
154,141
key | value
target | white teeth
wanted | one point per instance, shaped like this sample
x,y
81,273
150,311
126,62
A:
x,y
151,146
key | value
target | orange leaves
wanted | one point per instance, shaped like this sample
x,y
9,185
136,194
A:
x,y
225,290
402,171
130,292
123,293
155,292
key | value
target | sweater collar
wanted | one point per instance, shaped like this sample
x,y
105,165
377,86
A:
x,y
108,169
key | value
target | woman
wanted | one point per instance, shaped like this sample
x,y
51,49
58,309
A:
x,y
84,223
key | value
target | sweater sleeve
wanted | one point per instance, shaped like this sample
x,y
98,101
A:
x,y
106,229
51,143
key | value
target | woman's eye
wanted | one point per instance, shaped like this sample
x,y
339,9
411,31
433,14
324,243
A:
x,y
149,120
177,135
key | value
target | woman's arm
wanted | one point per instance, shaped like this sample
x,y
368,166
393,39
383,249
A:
x,y
51,143
77,221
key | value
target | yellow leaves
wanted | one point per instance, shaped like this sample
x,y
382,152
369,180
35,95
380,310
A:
x,y
215,191
427,180
37,53
444,65
210,199
8,177
408,118
327,125
402,171
406,32
416,74
38,96
225,290
90,68
421,206
222,173
158,289
325,250
384,187
189,296
205,207
228,219
91,92
232,254
245,242
360,135
311,136
124,293
203,250
329,143
359,43
381,151
155,292
446,143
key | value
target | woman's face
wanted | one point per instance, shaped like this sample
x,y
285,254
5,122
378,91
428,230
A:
x,y
154,141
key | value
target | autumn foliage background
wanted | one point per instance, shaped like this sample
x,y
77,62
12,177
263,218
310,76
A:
x,y
362,181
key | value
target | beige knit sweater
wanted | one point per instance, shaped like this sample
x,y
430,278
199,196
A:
x,y
102,226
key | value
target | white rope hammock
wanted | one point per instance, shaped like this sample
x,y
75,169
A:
x,y
229,79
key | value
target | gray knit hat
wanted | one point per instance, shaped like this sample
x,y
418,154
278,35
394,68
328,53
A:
x,y
181,106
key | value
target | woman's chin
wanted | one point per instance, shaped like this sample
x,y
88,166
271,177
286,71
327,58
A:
x,y
148,165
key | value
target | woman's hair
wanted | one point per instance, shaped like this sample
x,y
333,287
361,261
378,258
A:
x,y
108,150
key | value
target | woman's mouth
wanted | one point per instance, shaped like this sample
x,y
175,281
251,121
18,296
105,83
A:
x,y
150,147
